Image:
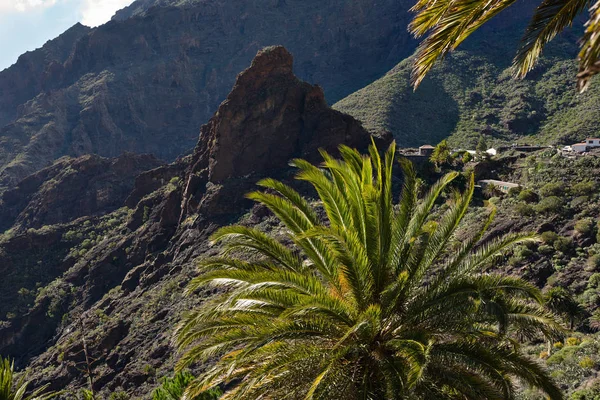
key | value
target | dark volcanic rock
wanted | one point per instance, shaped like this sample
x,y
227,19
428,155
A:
x,y
72,188
145,84
117,280
35,72
269,118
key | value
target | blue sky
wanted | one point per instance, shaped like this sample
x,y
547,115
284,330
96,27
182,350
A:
x,y
27,24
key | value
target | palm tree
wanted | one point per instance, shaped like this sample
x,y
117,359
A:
x,y
490,190
448,22
13,389
482,146
376,302
594,321
561,302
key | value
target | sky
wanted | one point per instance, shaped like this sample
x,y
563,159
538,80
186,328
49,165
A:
x,y
28,24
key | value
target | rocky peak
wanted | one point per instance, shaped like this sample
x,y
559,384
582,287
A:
x,y
147,80
269,118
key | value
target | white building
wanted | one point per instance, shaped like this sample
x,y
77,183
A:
x,y
579,147
585,146
593,142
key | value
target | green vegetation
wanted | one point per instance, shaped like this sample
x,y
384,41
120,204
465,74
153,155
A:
x,y
440,154
351,308
12,388
473,97
449,23
572,364
566,260
173,389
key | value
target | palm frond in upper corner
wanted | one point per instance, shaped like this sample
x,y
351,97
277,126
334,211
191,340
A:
x,y
590,49
449,22
550,18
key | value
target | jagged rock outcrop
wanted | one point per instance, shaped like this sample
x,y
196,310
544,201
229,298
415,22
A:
x,y
145,84
72,188
269,118
117,279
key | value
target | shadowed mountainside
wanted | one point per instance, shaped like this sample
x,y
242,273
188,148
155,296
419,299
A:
x,y
472,93
144,84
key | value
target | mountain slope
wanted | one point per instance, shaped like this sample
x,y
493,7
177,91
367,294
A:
x,y
145,83
472,93
117,280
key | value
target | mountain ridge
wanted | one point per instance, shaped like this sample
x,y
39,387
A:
x,y
144,83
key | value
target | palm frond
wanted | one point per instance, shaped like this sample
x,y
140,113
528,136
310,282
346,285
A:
x,y
449,23
366,303
550,18
590,49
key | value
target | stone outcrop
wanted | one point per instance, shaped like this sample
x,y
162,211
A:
x,y
269,118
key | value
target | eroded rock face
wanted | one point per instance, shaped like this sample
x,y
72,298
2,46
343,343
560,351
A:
x,y
269,118
145,84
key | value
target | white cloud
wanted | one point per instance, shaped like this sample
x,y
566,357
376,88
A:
x,y
97,12
92,12
24,5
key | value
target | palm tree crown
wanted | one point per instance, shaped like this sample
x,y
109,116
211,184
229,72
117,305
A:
x,y
447,23
375,302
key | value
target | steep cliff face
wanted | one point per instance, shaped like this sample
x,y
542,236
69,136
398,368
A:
x,y
269,118
117,280
144,84
35,72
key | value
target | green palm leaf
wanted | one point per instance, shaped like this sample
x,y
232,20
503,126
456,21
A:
x,y
12,388
447,23
590,49
550,18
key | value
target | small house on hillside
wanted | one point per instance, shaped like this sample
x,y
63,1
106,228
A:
x,y
503,186
426,150
589,143
579,147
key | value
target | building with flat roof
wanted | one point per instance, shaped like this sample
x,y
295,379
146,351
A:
x,y
426,150
582,147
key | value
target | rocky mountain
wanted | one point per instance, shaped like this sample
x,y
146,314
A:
x,y
98,244
115,280
147,80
